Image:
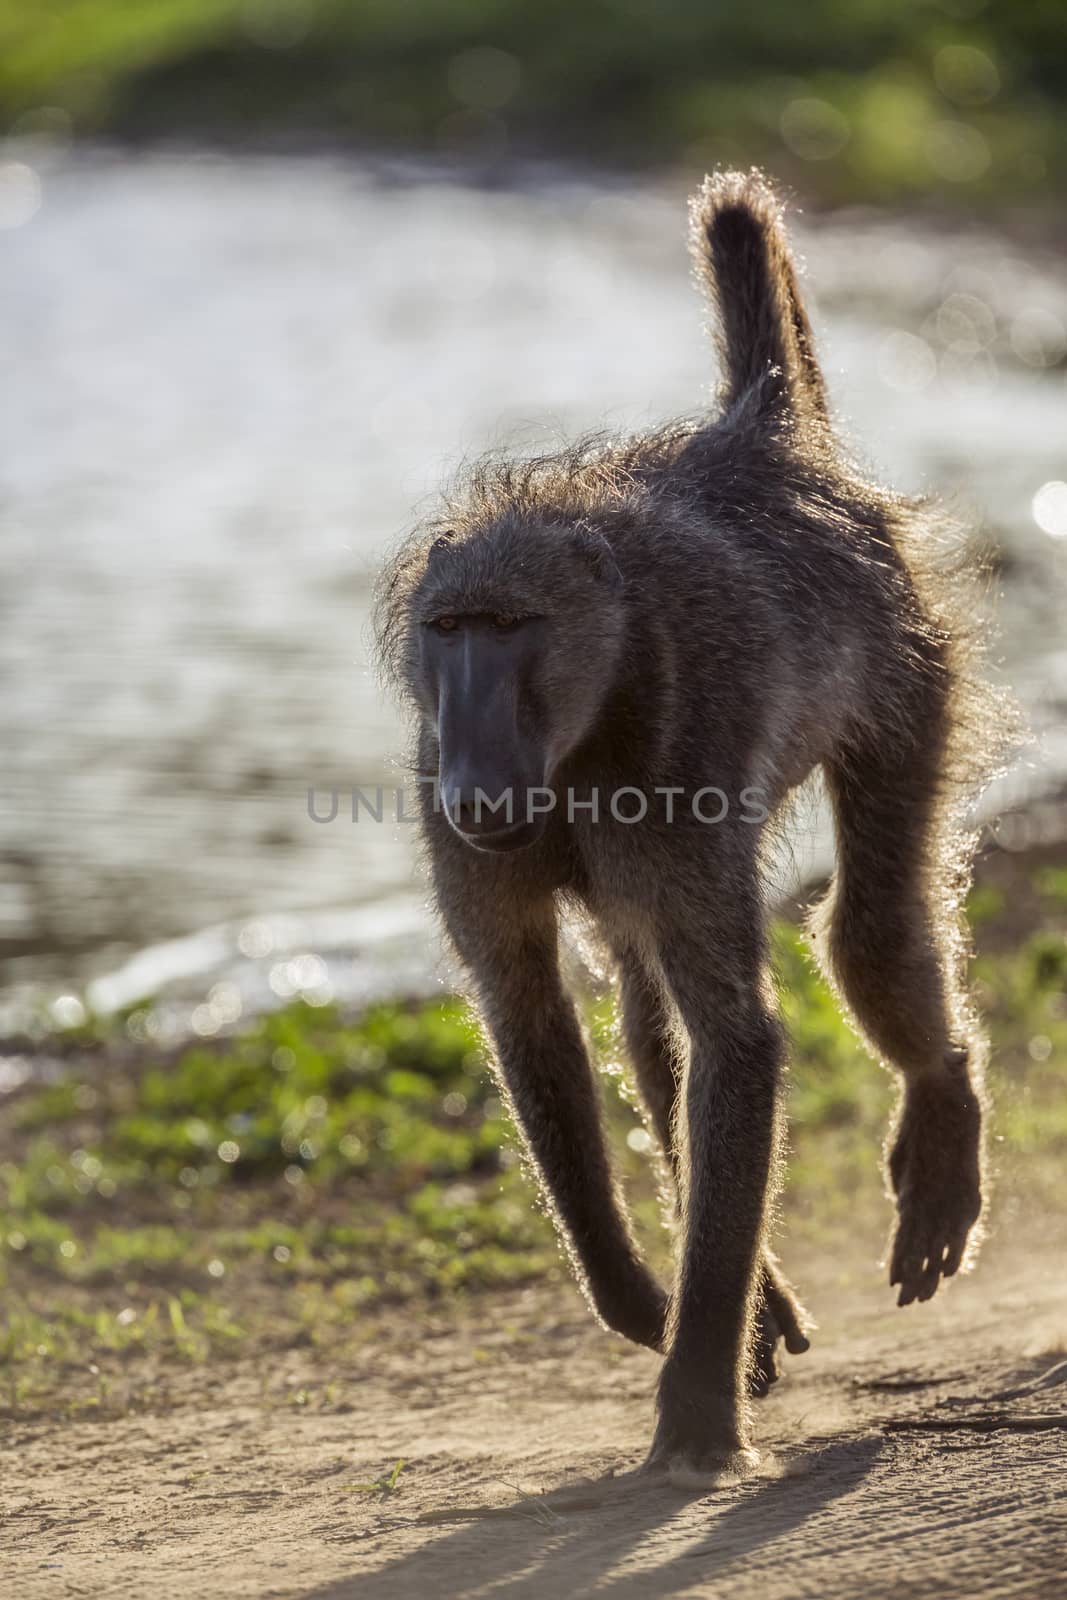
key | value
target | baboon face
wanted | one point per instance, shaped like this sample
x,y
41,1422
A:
x,y
517,642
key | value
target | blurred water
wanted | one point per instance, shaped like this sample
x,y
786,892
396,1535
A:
x,y
228,382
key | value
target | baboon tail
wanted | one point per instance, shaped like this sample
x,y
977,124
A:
x,y
744,265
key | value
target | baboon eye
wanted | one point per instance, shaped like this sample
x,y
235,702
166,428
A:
x,y
504,619
445,624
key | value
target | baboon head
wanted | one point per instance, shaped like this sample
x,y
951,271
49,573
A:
x,y
512,633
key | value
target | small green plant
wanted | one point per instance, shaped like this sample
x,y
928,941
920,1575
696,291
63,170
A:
x,y
384,1486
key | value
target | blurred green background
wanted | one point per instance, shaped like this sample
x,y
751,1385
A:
x,y
951,102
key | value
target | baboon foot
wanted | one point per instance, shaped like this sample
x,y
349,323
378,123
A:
x,y
699,1440
710,1469
694,1457
780,1316
935,1168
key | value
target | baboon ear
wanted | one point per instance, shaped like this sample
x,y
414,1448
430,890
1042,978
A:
x,y
595,551
440,547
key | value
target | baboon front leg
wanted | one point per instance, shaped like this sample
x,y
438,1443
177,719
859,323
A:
x,y
891,938
545,1068
728,1140
658,1067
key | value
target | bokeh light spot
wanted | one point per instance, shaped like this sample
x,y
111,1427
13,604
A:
x,y
906,362
966,74
957,152
1038,337
68,1011
814,129
20,194
965,324
1050,508
484,79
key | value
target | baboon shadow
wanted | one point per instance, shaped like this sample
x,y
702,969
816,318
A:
x,y
531,1555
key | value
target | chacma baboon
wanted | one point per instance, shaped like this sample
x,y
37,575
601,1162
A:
x,y
720,606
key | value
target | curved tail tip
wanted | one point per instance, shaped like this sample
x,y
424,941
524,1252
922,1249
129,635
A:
x,y
749,194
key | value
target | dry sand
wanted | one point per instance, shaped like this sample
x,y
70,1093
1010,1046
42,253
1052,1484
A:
x,y
910,1453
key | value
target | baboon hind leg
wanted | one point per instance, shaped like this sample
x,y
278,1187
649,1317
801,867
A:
x,y
653,1050
891,936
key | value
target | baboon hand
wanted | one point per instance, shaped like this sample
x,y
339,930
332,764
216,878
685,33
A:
x,y
780,1316
935,1167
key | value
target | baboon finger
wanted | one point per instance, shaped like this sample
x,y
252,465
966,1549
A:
x,y
954,1254
906,1268
931,1275
903,1249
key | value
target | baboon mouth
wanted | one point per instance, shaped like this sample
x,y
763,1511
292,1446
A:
x,y
498,841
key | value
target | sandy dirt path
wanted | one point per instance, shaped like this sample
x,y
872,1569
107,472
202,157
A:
x,y
914,1453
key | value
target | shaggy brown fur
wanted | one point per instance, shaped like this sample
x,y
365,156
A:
x,y
725,603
